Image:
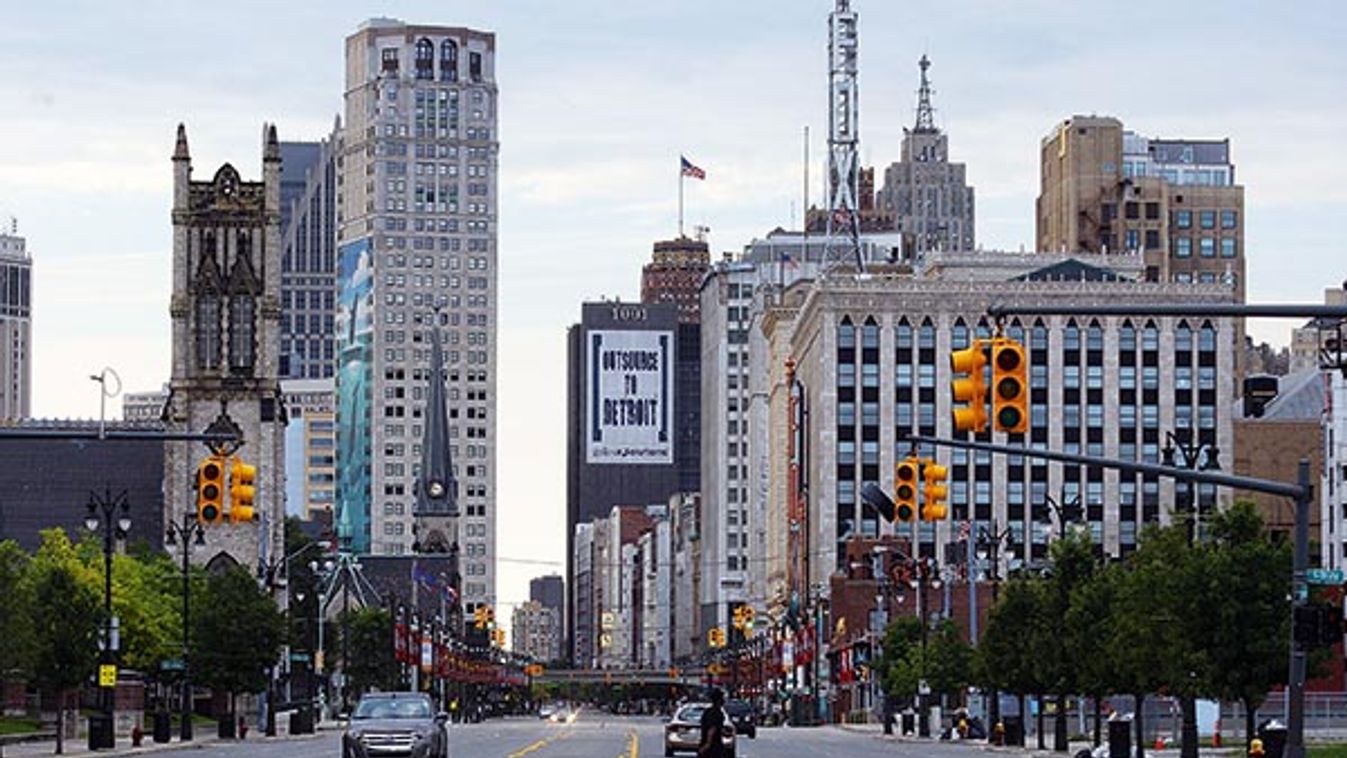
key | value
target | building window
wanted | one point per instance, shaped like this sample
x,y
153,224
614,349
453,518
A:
x,y
1228,219
1183,247
1152,239
1183,219
449,61
208,332
241,333
1131,210
1228,247
1152,211
425,59
475,67
390,59
1207,219
1207,247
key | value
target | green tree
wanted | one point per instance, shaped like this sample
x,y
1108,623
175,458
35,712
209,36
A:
x,y
238,631
16,615
949,660
1089,626
66,619
371,649
1005,655
1071,564
897,676
1251,621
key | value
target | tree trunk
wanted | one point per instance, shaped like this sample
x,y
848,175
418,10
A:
x,y
1098,716
1141,726
60,724
993,714
1188,703
1059,741
1250,722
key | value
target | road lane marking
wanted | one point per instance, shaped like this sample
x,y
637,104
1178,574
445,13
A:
x,y
633,747
539,745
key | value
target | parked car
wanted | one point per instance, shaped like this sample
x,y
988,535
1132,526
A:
x,y
395,724
744,717
684,731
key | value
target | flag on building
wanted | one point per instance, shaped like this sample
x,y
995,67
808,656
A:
x,y
788,260
691,170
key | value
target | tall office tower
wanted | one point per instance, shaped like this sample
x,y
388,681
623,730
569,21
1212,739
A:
x,y
16,326
310,448
925,195
416,231
226,334
624,446
1103,189
674,275
535,631
549,590
308,259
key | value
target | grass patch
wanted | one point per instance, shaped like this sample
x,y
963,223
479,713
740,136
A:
x,y
17,726
1327,751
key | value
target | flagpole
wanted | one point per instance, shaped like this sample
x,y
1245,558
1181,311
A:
x,y
680,197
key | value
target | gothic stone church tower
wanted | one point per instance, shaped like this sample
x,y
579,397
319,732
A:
x,y
226,328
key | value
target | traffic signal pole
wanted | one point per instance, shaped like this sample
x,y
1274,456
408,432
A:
x,y
1300,492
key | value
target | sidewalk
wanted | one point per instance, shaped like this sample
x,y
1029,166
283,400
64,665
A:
x,y
1030,750
80,747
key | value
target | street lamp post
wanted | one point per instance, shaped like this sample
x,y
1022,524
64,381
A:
x,y
1197,456
989,549
1065,510
186,534
113,516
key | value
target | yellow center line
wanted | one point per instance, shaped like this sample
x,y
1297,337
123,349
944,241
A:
x,y
633,748
544,742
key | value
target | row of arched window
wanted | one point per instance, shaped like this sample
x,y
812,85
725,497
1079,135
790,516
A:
x,y
448,61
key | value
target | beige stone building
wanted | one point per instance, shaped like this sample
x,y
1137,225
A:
x,y
871,357
535,631
16,328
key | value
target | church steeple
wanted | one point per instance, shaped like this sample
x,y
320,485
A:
x,y
925,114
437,490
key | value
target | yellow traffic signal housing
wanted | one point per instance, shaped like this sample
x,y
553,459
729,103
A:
x,y
210,489
934,493
242,491
970,389
748,617
1010,386
905,489
479,617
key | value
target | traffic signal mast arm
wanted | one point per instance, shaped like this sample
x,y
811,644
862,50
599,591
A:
x,y
1000,311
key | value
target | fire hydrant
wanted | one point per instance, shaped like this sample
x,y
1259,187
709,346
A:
x,y
137,734
1000,732
243,728
1255,748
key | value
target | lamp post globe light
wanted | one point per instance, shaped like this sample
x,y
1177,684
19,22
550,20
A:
x,y
185,535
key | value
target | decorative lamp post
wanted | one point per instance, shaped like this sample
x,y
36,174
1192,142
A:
x,y
113,516
185,535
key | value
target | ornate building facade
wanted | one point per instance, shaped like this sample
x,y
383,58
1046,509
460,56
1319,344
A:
x,y
226,327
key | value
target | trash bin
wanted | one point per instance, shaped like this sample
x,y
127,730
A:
x,y
163,726
301,721
1120,736
1273,735
909,722
1014,730
100,732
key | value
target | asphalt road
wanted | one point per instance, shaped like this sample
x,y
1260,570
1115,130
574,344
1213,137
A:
x,y
592,735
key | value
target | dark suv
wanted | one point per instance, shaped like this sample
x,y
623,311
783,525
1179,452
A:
x,y
745,721
395,724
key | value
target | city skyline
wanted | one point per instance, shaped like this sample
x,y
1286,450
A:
x,y
583,197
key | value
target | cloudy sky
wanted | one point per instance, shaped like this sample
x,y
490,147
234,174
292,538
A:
x,y
597,100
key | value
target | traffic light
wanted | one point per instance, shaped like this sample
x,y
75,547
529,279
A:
x,y
479,617
498,637
1010,386
934,493
242,489
210,481
905,489
749,615
970,389
715,637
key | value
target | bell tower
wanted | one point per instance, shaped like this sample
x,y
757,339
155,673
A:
x,y
225,311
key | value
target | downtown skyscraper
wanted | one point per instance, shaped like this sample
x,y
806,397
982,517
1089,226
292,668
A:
x,y
416,250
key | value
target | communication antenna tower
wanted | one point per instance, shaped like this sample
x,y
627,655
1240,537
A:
x,y
843,222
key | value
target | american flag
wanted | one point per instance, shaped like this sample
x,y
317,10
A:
x,y
691,170
788,261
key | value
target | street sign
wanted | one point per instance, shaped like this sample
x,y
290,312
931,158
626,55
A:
x,y
107,675
299,657
172,664
1324,576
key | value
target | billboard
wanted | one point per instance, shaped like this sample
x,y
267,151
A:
x,y
629,396
355,343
